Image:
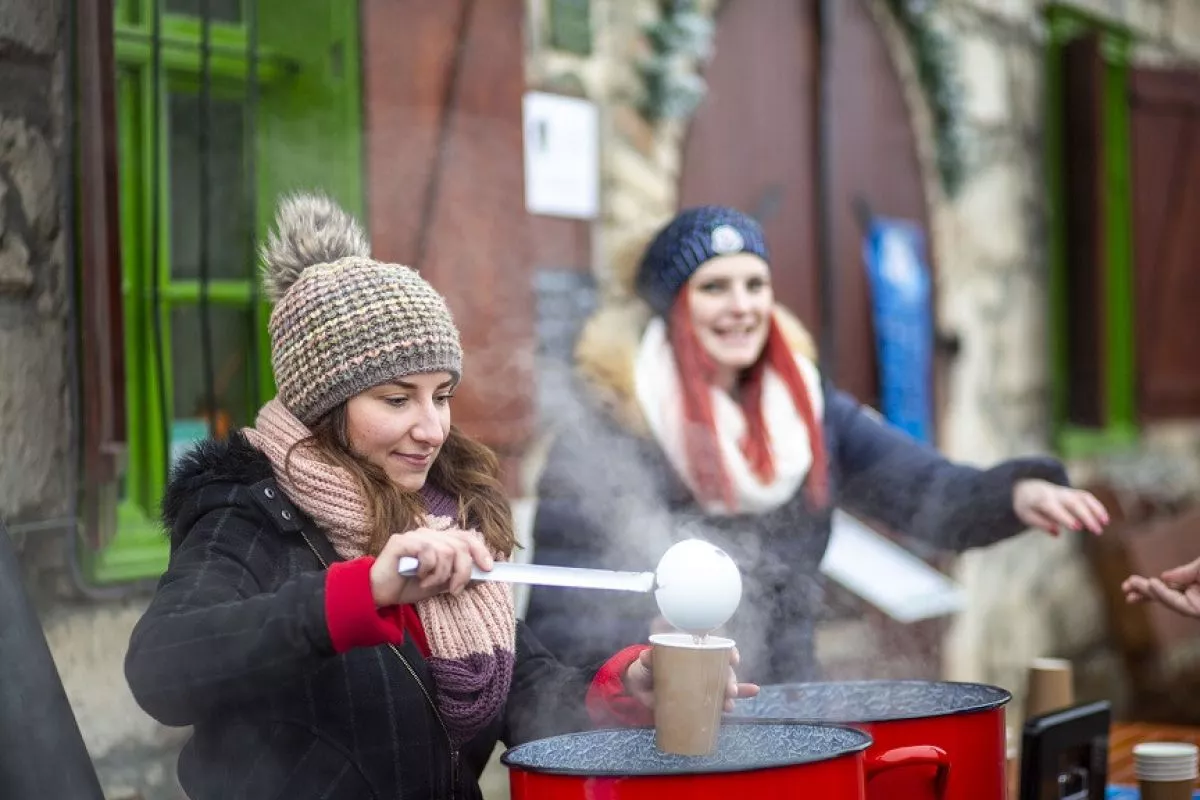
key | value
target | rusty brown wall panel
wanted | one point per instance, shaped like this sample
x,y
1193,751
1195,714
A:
x,y
558,243
476,245
407,50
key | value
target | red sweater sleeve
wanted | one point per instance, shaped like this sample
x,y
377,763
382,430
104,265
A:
x,y
350,611
607,701
406,618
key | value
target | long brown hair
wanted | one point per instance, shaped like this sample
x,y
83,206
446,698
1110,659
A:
x,y
465,468
697,370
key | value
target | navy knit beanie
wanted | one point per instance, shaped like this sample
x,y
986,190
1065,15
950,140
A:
x,y
693,237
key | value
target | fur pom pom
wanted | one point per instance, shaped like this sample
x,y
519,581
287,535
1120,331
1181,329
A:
x,y
310,229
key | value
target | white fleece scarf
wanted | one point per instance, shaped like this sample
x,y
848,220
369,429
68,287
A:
x,y
656,379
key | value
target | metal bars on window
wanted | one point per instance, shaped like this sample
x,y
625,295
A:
x,y
203,218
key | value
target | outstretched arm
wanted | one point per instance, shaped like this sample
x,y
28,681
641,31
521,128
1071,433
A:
x,y
889,477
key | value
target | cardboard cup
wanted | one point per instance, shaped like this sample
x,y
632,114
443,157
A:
x,y
689,691
1166,790
1050,686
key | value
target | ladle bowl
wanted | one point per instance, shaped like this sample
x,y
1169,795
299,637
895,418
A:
x,y
697,586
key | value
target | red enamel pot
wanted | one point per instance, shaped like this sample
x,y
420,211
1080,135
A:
x,y
755,760
963,721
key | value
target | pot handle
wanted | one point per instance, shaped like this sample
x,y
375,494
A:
x,y
913,756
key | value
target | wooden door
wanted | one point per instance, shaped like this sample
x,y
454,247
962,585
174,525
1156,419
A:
x,y
443,81
752,141
874,159
1165,118
753,145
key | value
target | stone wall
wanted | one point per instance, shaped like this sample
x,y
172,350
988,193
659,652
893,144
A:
x,y
134,756
36,430
1033,595
640,161
992,286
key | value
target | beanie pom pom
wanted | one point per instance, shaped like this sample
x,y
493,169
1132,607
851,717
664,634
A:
x,y
310,229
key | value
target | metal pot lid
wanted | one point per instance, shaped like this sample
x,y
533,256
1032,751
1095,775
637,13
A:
x,y
631,752
869,701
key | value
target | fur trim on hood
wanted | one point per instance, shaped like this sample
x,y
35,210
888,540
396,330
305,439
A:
x,y
233,460
608,347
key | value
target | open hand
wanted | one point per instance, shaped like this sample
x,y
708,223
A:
x,y
639,681
1045,505
1178,589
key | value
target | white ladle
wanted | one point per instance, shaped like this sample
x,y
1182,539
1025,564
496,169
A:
x,y
697,585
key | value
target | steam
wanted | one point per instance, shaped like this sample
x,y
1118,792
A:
x,y
623,487
617,482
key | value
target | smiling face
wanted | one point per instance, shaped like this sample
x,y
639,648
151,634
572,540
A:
x,y
731,301
401,426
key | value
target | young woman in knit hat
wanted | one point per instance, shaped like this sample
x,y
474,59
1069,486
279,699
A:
x,y
703,414
282,630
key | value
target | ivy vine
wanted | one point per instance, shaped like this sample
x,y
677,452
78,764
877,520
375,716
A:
x,y
680,41
936,60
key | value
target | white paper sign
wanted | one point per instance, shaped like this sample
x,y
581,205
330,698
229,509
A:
x,y
562,156
886,575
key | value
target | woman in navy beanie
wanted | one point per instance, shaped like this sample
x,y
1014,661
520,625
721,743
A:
x,y
702,413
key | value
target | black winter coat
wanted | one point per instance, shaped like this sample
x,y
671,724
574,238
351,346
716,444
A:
x,y
235,643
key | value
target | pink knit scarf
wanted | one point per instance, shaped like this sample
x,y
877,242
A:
x,y
472,637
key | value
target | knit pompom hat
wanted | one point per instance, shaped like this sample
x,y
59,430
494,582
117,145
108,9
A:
x,y
694,236
343,322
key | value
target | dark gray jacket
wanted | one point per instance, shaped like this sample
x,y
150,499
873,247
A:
x,y
609,498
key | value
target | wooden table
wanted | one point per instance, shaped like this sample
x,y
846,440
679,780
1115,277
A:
x,y
1124,735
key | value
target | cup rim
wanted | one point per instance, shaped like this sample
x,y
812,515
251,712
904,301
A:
x,y
1158,751
1048,663
685,641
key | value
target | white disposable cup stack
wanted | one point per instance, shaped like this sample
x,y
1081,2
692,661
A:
x,y
1166,761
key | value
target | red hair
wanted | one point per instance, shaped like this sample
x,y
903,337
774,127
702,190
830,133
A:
x,y
697,372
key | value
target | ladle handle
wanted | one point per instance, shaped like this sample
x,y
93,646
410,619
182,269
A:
x,y
546,575
918,755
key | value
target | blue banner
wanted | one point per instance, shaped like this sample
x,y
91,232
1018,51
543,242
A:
x,y
1129,793
902,308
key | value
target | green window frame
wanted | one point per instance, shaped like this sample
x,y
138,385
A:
x,y
306,133
1119,429
570,26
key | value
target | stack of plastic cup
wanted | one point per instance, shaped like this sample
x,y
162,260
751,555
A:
x,y
1166,770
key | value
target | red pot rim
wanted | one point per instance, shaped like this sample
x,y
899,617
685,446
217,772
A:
x,y
675,766
998,698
